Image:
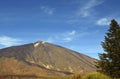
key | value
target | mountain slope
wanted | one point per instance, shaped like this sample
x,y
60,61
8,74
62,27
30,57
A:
x,y
45,58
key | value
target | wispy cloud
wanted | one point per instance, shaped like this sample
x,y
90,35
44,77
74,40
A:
x,y
63,37
47,10
87,9
103,22
50,40
9,41
66,37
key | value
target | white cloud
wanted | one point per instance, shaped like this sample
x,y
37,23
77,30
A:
x,y
72,32
63,37
50,40
66,37
8,41
103,22
47,10
87,9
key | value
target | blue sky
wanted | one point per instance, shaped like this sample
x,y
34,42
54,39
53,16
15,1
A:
x,y
79,25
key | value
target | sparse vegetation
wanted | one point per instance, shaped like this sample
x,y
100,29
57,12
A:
x,y
31,77
76,76
94,75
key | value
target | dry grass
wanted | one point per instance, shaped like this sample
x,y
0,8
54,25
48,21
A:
x,y
96,75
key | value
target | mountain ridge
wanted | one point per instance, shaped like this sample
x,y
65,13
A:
x,y
49,57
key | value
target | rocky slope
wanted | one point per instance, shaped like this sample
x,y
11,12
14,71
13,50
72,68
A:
x,y
43,59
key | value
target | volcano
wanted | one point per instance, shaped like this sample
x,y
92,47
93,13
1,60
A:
x,y
43,59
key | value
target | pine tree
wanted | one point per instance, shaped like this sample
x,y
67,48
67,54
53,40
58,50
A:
x,y
109,62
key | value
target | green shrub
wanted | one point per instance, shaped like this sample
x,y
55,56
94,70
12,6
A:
x,y
96,75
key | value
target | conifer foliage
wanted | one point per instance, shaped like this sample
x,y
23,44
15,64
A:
x,y
109,62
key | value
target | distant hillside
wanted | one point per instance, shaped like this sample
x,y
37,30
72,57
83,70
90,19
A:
x,y
43,59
